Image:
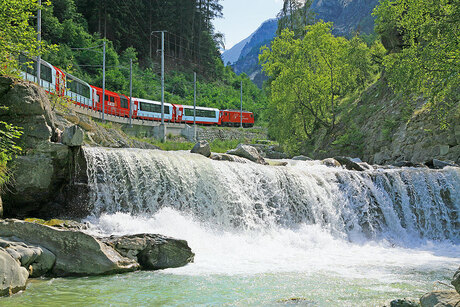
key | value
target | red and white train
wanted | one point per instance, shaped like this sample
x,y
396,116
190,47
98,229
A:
x,y
61,83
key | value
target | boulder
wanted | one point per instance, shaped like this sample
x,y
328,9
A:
x,y
13,277
349,164
408,164
73,136
443,298
404,303
330,162
438,164
152,251
247,152
37,259
302,158
202,148
456,280
76,253
225,157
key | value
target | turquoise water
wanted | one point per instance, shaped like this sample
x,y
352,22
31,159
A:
x,y
156,288
306,266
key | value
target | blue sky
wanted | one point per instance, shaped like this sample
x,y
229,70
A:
x,y
242,17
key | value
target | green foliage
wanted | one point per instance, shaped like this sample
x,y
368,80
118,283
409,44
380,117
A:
x,y
71,21
351,139
8,148
309,77
424,59
17,34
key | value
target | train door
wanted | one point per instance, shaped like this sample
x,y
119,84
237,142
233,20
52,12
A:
x,y
179,113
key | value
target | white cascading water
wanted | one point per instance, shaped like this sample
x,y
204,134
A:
x,y
246,218
400,205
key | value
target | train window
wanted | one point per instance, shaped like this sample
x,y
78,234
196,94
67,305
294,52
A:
x,y
154,108
46,73
78,87
27,65
123,102
106,98
112,99
200,113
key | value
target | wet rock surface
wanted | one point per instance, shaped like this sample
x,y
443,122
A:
x,y
444,298
13,277
202,148
247,152
152,251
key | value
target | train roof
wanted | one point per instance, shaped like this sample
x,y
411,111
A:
x,y
75,78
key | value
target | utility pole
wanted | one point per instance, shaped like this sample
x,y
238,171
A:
x,y
194,106
241,106
103,82
162,125
39,39
130,91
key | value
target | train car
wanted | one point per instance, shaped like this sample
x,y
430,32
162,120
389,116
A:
x,y
79,92
204,116
114,103
151,110
232,118
52,79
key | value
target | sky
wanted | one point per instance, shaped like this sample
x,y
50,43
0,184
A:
x,y
242,17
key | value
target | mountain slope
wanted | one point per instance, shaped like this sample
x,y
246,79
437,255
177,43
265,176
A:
x,y
233,54
348,17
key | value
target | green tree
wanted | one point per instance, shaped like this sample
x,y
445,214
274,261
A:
x,y
16,33
422,37
309,76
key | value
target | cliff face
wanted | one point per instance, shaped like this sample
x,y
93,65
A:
x,y
348,16
380,128
43,166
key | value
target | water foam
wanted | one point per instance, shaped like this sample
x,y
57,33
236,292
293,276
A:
x,y
307,249
398,205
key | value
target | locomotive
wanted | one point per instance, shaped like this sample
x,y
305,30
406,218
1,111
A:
x,y
58,82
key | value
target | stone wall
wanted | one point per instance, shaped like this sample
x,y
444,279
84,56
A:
x,y
217,133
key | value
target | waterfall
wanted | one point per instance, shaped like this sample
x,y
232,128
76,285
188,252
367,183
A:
x,y
396,204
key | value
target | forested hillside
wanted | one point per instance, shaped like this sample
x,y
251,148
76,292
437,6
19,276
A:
x,y
327,85
191,44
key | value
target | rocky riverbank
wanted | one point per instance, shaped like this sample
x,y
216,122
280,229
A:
x,y
31,250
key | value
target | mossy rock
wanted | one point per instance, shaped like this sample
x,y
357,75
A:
x,y
67,224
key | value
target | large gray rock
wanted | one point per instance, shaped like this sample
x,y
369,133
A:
x,y
226,157
37,259
456,280
302,158
349,164
73,136
438,164
152,251
202,148
444,298
76,253
13,277
43,167
330,162
247,152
